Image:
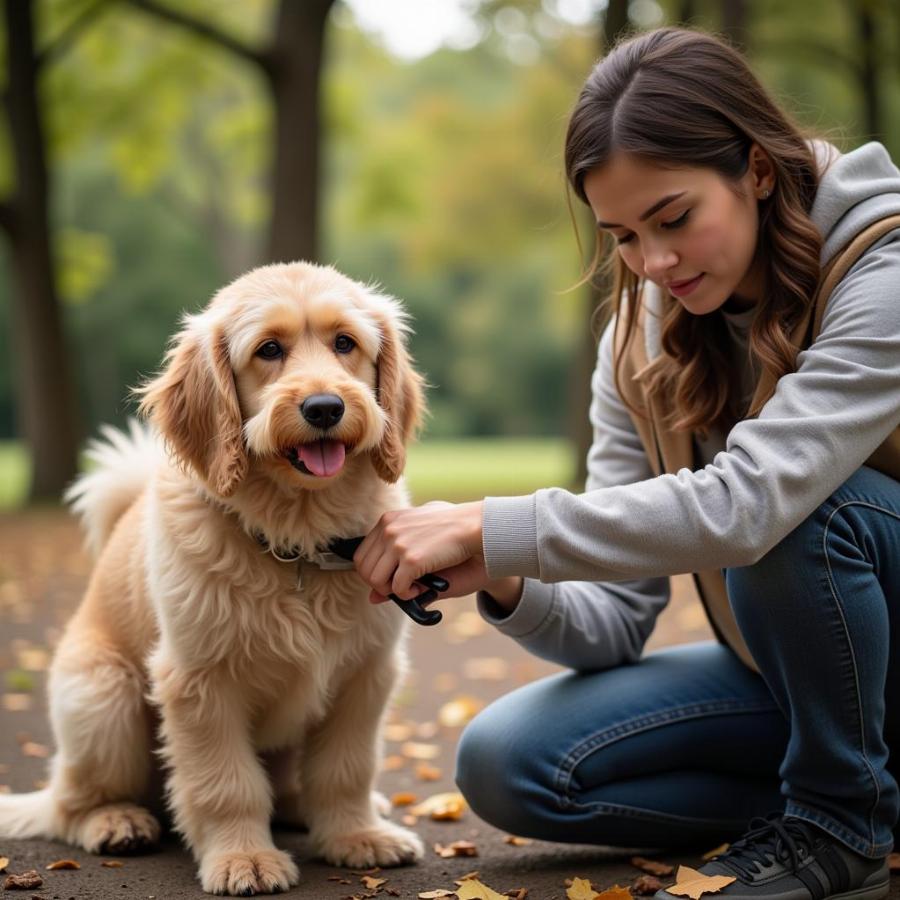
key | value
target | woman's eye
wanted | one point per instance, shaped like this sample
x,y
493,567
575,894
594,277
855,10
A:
x,y
344,343
270,350
676,223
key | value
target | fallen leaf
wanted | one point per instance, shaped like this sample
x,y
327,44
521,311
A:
x,y
467,876
409,820
691,883
894,862
519,894
645,885
425,772
457,848
112,864
717,852
415,750
517,841
63,864
39,751
4,862
17,702
372,883
442,807
651,866
26,881
473,889
486,668
398,732
616,892
426,730
458,712
33,659
403,799
392,763
580,889
436,895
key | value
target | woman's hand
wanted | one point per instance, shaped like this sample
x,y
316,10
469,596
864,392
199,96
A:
x,y
441,538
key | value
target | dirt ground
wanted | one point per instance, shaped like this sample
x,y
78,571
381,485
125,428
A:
x,y
43,571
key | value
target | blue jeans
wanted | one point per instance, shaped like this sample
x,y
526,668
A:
x,y
686,745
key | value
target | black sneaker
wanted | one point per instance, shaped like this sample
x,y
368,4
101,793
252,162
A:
x,y
784,858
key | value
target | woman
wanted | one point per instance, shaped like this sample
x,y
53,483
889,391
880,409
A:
x,y
772,475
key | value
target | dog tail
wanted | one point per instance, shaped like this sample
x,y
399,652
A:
x,y
120,467
28,815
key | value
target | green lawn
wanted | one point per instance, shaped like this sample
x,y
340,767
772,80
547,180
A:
x,y
436,470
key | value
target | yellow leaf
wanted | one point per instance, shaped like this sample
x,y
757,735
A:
x,y
691,883
442,807
403,799
30,748
651,866
457,848
64,864
392,763
517,841
372,883
473,889
398,732
17,702
112,864
425,772
581,889
717,852
414,750
4,862
458,712
436,895
616,892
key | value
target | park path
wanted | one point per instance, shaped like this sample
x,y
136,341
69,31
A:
x,y
43,571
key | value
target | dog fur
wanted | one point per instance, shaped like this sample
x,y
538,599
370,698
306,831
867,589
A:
x,y
194,644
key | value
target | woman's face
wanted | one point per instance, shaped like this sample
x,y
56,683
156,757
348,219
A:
x,y
684,225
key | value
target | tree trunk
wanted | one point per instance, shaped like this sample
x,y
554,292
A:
x,y
869,85
734,22
615,25
45,407
295,72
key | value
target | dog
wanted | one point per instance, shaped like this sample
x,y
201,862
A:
x,y
206,637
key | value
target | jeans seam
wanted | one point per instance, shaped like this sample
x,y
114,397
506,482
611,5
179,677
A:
x,y
840,608
638,724
635,812
835,829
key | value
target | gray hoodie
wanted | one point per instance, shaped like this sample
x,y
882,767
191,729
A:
x,y
596,563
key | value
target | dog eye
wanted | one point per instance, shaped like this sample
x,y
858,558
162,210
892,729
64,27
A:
x,y
270,350
343,343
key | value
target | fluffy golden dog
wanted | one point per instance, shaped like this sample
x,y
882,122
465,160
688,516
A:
x,y
285,407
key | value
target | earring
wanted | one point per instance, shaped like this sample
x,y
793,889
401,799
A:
x,y
766,194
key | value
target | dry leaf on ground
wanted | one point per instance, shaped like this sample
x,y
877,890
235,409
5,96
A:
x,y
616,892
691,883
400,731
457,848
717,852
372,883
31,748
409,820
63,864
426,730
4,862
17,702
415,750
651,866
646,885
392,763
436,895
519,894
459,711
580,889
894,862
404,798
24,882
442,807
473,889
467,876
425,772
112,864
517,841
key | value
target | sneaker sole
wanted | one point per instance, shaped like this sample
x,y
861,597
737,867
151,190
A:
x,y
872,892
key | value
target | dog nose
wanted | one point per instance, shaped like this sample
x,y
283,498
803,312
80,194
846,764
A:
x,y
322,410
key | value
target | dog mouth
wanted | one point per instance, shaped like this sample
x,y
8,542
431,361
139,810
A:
x,y
321,459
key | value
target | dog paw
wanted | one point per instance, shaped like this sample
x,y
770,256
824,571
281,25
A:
x,y
384,844
118,829
246,874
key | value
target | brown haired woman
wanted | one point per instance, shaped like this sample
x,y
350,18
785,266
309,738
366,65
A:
x,y
746,410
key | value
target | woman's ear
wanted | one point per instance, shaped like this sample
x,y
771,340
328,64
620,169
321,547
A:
x,y
194,404
400,392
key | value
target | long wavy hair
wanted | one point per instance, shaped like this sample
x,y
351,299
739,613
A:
x,y
680,97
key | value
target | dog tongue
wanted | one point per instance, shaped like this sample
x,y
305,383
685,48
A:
x,y
322,457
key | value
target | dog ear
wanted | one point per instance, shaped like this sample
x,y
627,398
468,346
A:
x,y
194,405
400,392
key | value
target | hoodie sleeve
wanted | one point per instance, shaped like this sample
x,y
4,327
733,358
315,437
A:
x,y
589,625
821,424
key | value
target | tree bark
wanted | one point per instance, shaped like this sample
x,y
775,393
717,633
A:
x,y
45,407
295,75
868,73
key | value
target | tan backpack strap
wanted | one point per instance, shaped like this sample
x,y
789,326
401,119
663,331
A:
x,y
843,261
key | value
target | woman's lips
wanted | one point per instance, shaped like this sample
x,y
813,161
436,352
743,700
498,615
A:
x,y
682,289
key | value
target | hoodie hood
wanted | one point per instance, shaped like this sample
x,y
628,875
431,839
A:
x,y
855,190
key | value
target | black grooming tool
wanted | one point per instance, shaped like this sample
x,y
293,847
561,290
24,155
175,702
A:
x,y
346,547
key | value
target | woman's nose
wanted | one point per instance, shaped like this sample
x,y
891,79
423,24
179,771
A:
x,y
658,261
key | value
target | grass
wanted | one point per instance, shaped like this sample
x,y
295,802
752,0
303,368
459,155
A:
x,y
436,470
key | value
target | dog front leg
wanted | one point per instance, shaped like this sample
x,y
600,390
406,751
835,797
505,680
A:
x,y
217,787
339,776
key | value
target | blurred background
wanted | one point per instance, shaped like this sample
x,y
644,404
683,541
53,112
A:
x,y
151,151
